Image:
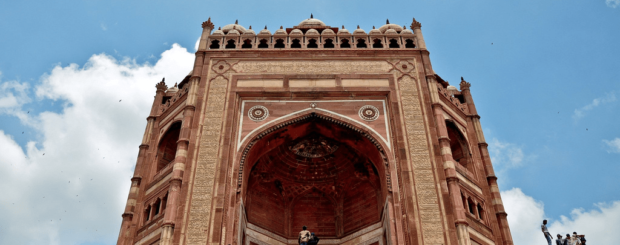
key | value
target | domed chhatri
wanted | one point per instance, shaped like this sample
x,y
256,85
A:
x,y
311,23
235,26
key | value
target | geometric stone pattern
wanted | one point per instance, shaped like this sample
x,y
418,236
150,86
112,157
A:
x,y
207,162
430,217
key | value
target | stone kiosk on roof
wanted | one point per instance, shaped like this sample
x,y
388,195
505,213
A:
x,y
349,133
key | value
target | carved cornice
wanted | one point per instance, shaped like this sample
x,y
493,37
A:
x,y
415,24
208,24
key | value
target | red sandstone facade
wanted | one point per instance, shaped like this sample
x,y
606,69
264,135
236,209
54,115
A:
x,y
349,133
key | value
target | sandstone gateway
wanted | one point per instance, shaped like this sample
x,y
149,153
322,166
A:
x,y
350,133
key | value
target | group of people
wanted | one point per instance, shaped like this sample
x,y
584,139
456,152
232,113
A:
x,y
568,240
307,238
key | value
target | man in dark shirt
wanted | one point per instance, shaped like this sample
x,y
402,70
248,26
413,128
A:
x,y
559,241
314,240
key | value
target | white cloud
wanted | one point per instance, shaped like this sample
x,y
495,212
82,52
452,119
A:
x,y
104,27
12,95
525,216
71,185
608,98
505,155
198,42
612,3
613,145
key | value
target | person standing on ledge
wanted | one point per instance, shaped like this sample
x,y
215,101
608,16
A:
x,y
304,236
548,236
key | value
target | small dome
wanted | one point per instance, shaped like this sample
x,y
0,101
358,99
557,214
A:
x,y
233,32
310,23
217,32
295,32
391,31
328,32
406,32
374,32
173,89
280,32
249,32
235,26
312,32
451,89
359,31
386,27
264,32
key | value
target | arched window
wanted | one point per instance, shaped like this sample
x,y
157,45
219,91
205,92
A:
x,y
312,43
377,43
361,43
247,43
344,43
263,43
215,44
296,43
164,201
156,206
470,205
409,43
480,212
458,146
167,149
279,44
230,44
147,213
464,201
394,43
329,43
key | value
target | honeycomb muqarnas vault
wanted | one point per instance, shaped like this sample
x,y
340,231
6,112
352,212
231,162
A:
x,y
349,133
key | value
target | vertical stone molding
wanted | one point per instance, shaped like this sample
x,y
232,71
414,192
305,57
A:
x,y
207,162
432,229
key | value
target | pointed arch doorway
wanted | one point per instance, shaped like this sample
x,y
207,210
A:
x,y
318,172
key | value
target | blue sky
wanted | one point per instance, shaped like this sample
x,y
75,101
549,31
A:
x,y
545,76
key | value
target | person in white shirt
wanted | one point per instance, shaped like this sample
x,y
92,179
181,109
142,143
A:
x,y
545,232
575,239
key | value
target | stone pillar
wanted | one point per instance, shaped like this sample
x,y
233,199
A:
x,y
126,226
449,169
498,205
207,27
416,27
178,169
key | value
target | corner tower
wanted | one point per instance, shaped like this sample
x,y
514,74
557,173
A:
x,y
351,134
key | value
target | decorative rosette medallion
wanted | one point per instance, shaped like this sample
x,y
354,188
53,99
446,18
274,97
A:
x,y
258,113
369,113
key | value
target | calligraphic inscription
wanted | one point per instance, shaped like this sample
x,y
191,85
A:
x,y
432,229
301,67
207,162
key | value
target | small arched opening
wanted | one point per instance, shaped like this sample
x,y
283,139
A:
x,y
147,213
459,146
344,43
279,43
329,43
167,149
296,43
376,43
215,44
394,43
409,43
247,43
156,206
361,43
480,212
230,44
312,43
471,206
263,43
